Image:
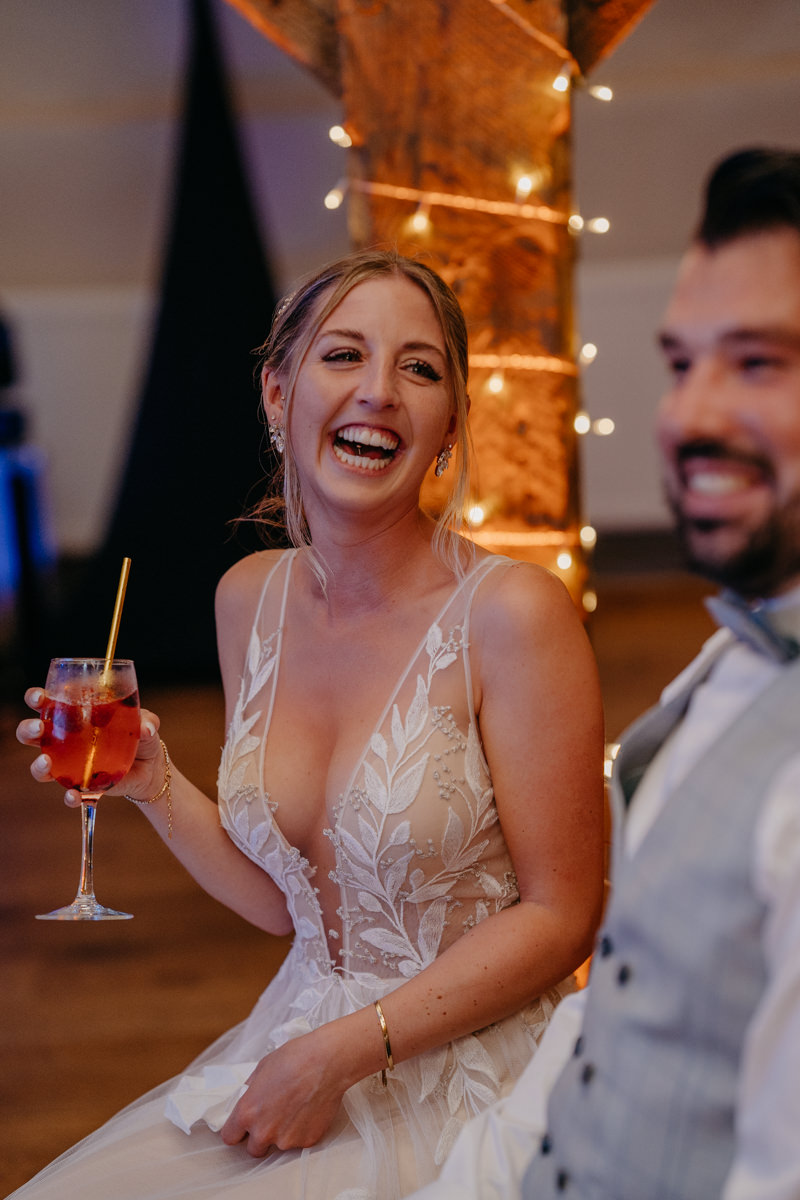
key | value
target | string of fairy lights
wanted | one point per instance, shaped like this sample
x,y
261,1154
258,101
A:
x,y
420,222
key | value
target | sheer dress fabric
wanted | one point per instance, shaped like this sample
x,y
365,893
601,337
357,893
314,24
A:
x,y
418,859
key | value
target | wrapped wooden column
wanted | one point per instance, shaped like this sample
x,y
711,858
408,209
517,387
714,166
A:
x,y
461,154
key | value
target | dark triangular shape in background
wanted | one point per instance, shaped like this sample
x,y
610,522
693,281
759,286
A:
x,y
197,449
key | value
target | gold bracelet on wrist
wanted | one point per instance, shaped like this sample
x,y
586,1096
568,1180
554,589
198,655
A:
x,y
164,789
387,1045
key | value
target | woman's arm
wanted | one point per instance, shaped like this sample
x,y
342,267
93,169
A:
x,y
196,839
541,725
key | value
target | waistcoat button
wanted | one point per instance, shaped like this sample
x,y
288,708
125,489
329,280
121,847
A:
x,y
623,975
578,1051
587,1074
562,1180
606,946
546,1145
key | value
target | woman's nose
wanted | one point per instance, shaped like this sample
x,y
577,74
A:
x,y
377,386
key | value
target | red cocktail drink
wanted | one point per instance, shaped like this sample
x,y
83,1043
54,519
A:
x,y
91,742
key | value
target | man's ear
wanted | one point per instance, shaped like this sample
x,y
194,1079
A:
x,y
272,396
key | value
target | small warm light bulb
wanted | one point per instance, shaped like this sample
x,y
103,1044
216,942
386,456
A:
x,y
589,600
588,352
564,560
603,426
496,382
575,223
601,92
476,515
582,422
524,187
334,198
598,225
339,135
588,536
561,82
420,221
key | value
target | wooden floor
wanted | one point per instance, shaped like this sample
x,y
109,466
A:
x,y
92,1015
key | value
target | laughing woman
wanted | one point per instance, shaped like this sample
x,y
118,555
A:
x,y
411,782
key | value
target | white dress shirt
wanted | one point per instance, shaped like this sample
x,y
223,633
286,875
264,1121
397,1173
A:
x,y
493,1151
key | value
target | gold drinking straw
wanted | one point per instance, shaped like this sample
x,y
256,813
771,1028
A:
x,y
117,617
104,678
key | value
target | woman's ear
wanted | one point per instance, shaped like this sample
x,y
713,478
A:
x,y
272,396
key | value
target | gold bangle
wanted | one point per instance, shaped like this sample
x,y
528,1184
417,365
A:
x,y
165,787
386,1043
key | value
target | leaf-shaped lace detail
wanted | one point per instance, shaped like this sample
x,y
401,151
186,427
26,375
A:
x,y
384,939
400,834
369,837
432,1067
418,712
378,746
405,788
431,928
396,875
453,838
433,641
424,775
376,789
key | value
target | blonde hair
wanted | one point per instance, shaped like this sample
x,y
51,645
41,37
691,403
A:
x,y
297,321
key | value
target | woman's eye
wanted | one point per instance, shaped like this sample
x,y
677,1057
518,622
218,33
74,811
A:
x,y
344,355
420,367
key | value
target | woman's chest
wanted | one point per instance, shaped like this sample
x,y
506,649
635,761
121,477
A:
x,y
356,722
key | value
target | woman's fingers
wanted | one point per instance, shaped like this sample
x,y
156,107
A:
x,y
34,698
149,741
40,768
29,731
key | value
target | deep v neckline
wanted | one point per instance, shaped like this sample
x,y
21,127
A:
x,y
332,813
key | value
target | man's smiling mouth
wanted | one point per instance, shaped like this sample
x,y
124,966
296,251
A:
x,y
708,471
366,448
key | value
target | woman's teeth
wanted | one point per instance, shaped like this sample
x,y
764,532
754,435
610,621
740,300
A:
x,y
369,449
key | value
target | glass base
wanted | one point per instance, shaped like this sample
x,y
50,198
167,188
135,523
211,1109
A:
x,y
84,910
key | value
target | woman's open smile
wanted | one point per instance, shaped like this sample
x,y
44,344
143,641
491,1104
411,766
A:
x,y
366,448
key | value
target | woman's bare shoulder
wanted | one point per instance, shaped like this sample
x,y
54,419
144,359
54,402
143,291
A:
x,y
239,589
521,597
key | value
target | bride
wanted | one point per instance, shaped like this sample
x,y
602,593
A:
x,y
411,783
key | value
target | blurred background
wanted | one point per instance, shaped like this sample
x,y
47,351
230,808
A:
x,y
95,147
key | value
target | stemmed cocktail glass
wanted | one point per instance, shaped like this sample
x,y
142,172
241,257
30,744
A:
x,y
91,732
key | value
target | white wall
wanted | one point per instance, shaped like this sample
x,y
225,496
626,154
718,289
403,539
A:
x,y
89,93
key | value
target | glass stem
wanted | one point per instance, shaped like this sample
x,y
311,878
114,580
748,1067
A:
x,y
88,815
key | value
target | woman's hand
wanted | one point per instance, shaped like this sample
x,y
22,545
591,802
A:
x,y
292,1096
143,779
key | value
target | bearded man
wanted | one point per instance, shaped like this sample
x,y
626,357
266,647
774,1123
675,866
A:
x,y
675,1075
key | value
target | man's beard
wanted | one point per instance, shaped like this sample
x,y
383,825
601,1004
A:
x,y
767,559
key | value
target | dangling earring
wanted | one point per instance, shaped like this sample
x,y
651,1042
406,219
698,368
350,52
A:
x,y
277,439
276,434
443,460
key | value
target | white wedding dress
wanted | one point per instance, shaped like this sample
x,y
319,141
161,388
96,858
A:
x,y
419,859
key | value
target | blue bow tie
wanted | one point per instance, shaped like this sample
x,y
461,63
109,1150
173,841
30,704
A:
x,y
752,626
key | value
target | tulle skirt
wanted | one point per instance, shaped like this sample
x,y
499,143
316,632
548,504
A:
x,y
384,1144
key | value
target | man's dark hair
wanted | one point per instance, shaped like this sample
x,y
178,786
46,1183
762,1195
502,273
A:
x,y
749,192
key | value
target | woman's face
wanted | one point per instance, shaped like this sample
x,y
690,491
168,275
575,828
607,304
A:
x,y
373,401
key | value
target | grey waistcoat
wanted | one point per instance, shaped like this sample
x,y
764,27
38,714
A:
x,y
644,1110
